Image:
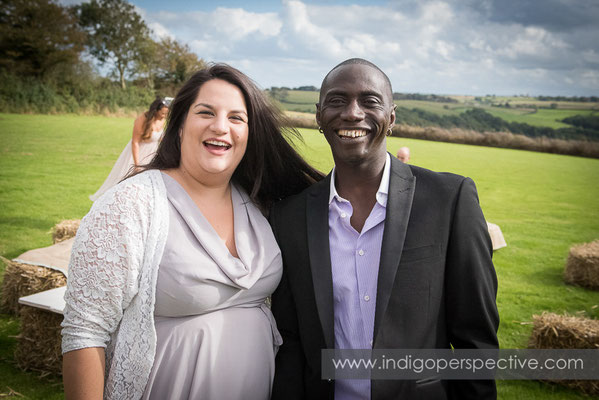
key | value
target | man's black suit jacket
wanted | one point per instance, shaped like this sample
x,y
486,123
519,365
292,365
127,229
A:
x,y
436,284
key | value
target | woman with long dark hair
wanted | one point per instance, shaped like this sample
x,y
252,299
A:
x,y
147,131
170,269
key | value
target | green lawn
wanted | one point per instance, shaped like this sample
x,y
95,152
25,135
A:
x,y
543,203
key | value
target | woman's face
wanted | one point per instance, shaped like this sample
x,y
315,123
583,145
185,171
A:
x,y
161,114
215,132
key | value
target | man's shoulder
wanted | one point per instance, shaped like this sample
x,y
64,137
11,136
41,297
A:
x,y
424,173
428,179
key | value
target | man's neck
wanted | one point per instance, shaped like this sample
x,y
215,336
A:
x,y
362,178
359,184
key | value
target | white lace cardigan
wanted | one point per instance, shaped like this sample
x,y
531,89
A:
x,y
112,281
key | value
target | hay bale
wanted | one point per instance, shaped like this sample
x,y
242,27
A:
x,y
553,331
39,343
582,267
65,229
25,279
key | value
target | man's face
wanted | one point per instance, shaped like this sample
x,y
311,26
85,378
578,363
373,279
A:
x,y
355,112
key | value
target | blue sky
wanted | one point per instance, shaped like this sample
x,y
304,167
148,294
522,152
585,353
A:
x,y
476,47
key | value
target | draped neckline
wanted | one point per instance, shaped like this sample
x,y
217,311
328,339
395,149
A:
x,y
255,253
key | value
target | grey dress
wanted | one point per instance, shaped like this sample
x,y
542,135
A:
x,y
216,339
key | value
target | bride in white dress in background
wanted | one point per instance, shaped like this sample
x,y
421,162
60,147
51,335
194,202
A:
x,y
147,131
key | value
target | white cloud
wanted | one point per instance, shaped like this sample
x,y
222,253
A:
x,y
200,46
591,77
339,32
444,48
436,14
237,23
532,41
591,56
310,35
419,44
159,31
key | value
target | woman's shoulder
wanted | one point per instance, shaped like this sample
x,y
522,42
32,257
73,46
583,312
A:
x,y
140,119
143,180
137,189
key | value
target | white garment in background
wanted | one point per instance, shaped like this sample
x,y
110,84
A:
x,y
124,164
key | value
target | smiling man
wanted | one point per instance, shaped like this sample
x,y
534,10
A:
x,y
380,255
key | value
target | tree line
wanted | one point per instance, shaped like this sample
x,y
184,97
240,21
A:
x,y
50,55
582,99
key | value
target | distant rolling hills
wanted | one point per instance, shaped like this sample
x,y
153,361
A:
x,y
527,116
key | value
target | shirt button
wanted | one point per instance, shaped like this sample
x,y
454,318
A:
x,y
343,215
361,252
367,298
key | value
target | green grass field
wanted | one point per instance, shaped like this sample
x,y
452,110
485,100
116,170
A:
x,y
543,203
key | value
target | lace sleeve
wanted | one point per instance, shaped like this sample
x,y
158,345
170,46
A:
x,y
105,262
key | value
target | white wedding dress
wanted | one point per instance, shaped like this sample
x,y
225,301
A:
x,y
124,164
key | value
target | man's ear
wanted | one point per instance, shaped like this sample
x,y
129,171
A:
x,y
318,114
392,116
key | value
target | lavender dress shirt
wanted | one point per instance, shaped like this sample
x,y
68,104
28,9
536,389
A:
x,y
355,261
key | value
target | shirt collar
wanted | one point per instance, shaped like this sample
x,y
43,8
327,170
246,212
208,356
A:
x,y
381,194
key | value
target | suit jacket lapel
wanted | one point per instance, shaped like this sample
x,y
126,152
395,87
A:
x,y
320,258
399,204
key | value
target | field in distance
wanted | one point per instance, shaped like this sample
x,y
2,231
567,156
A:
x,y
528,110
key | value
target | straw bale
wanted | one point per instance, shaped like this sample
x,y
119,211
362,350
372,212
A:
x,y
582,267
25,279
65,229
39,343
553,331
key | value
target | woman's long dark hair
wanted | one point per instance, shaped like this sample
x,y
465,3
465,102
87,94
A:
x,y
270,169
156,106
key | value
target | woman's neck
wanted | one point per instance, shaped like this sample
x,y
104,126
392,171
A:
x,y
214,200
202,187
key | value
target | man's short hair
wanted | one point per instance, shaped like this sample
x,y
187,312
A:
x,y
359,61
